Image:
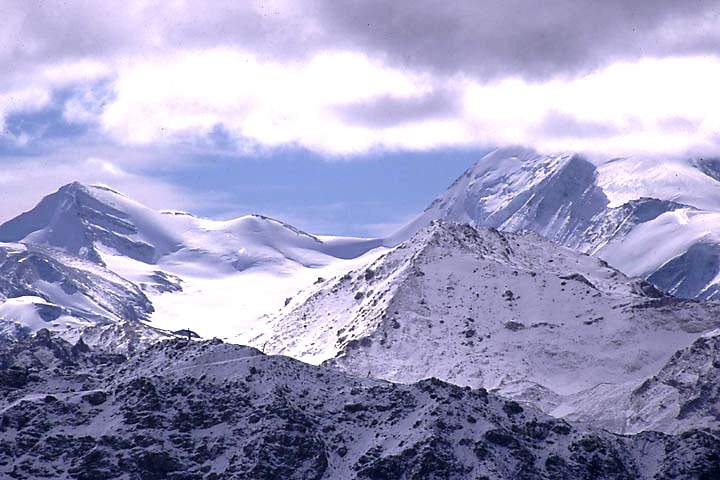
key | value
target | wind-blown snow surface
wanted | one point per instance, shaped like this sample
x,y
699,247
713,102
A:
x,y
659,220
213,277
510,312
694,182
212,410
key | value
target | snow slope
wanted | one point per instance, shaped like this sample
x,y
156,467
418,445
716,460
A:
x,y
212,410
212,277
690,182
680,250
510,312
685,393
655,219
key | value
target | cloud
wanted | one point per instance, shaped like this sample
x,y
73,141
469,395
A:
x,y
488,39
342,104
525,38
35,88
388,110
270,103
343,78
561,125
619,110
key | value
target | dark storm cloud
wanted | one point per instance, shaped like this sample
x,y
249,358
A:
x,y
387,111
483,39
37,33
522,37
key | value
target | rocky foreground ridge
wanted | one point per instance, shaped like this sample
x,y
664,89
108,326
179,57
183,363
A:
x,y
187,410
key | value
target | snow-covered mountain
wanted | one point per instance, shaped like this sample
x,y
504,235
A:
x,y
557,330
212,410
41,288
95,222
89,256
78,219
659,220
512,312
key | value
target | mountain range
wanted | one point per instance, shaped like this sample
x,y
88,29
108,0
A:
x,y
553,299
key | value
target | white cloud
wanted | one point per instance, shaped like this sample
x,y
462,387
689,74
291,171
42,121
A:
x,y
357,77
625,108
31,90
190,93
640,105
22,99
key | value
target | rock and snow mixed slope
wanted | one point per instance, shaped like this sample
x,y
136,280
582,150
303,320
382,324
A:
x,y
685,393
511,312
106,258
213,410
41,289
616,210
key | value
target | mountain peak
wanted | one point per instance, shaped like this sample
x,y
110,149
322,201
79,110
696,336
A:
x,y
513,151
491,309
614,209
89,189
77,217
519,189
73,187
448,232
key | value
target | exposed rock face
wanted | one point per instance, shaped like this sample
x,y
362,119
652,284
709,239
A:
x,y
211,410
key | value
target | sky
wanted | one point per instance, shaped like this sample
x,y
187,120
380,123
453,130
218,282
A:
x,y
341,117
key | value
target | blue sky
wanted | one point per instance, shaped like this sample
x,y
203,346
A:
x,y
339,117
365,194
